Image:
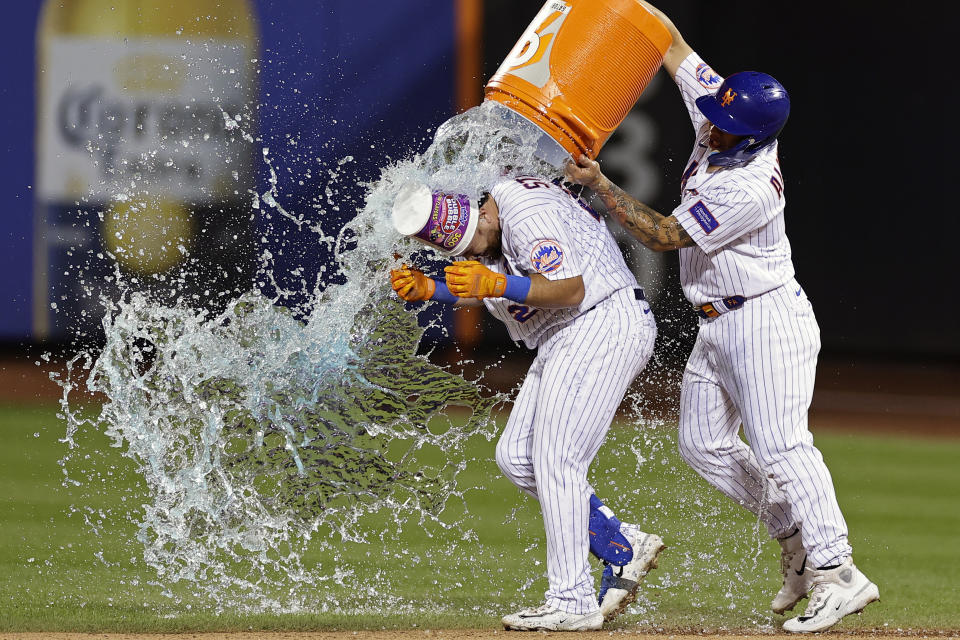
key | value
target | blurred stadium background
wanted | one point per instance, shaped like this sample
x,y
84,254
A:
x,y
865,160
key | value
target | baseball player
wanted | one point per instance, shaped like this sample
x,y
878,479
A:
x,y
755,356
544,264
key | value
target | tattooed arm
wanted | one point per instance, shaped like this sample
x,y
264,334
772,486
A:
x,y
654,230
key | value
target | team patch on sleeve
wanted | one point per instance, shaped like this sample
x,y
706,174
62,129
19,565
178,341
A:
x,y
707,77
703,216
546,256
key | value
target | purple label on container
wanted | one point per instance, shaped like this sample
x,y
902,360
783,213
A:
x,y
449,217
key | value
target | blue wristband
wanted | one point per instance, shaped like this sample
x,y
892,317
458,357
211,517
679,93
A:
x,y
517,289
442,294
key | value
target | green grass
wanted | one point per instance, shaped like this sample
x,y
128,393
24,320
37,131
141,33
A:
x,y
60,573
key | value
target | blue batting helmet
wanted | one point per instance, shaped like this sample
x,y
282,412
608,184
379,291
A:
x,y
750,104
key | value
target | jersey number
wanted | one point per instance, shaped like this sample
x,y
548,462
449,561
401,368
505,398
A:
x,y
521,313
777,182
532,183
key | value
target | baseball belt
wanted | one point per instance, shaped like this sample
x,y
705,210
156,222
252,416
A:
x,y
637,295
720,307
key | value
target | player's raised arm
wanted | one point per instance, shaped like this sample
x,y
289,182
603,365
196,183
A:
x,y
679,50
653,229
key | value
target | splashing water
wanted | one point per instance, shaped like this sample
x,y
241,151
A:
x,y
261,434
253,429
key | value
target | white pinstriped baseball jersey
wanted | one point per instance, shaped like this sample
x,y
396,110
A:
x,y
587,357
735,216
754,365
549,231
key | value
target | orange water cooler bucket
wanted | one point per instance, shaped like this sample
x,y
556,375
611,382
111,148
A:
x,y
579,68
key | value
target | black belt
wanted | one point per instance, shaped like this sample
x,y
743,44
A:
x,y
720,307
637,294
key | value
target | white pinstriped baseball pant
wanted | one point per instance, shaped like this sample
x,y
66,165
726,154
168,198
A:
x,y
756,365
560,418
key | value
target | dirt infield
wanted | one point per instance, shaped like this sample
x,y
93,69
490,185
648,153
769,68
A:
x,y
469,634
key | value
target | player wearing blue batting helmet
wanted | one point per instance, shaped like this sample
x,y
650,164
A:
x,y
728,227
749,104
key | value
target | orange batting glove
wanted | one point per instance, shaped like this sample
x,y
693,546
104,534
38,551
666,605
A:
x,y
470,279
411,284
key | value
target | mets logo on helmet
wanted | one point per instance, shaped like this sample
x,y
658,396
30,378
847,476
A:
x,y
728,97
546,256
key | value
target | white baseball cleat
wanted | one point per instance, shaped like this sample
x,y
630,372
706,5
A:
x,y
796,575
836,593
618,585
549,618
